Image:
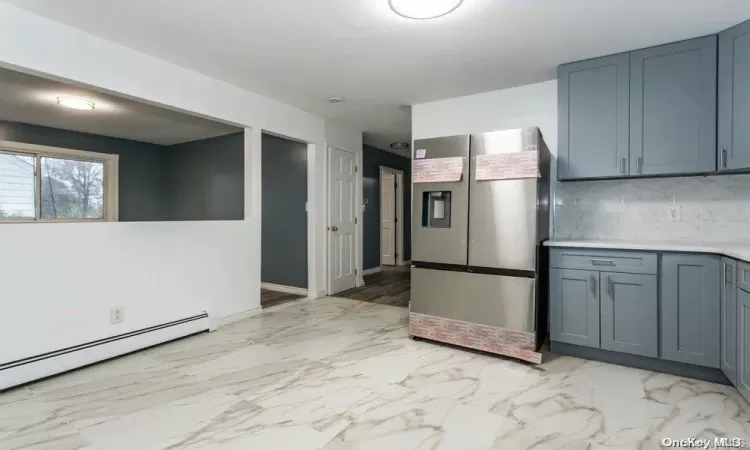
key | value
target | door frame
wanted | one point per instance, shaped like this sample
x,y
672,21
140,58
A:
x,y
358,215
399,213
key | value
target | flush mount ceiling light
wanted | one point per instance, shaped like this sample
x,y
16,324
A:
x,y
400,145
76,103
335,100
423,9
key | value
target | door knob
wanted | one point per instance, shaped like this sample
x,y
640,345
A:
x,y
334,228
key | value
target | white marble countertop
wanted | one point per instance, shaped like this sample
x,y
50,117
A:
x,y
738,250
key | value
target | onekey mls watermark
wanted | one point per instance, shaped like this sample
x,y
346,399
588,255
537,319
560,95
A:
x,y
719,442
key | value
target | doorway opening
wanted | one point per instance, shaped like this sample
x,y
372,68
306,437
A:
x,y
391,217
284,262
386,186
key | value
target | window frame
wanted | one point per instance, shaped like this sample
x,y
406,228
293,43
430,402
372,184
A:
x,y
110,178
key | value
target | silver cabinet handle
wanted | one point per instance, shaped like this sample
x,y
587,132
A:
x,y
723,158
593,285
610,288
623,164
639,159
602,262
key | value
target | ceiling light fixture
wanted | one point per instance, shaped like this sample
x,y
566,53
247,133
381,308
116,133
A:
x,y
76,103
400,145
423,9
335,100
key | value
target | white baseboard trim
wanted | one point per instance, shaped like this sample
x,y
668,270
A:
x,y
282,288
406,263
371,271
321,294
224,321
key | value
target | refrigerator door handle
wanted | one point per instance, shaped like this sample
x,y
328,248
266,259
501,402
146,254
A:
x,y
610,288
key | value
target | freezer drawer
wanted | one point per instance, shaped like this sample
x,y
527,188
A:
x,y
500,301
440,211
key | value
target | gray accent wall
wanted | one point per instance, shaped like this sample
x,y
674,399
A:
x,y
142,166
206,179
372,159
284,218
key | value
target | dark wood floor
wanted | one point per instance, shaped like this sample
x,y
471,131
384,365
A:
x,y
273,298
389,287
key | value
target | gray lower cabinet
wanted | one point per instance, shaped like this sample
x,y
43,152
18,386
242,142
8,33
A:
x,y
673,108
742,381
734,98
729,319
593,118
690,309
629,311
574,307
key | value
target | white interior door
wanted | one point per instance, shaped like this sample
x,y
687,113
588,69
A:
x,y
387,218
341,221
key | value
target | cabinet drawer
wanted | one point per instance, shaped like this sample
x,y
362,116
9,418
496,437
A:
x,y
743,276
625,262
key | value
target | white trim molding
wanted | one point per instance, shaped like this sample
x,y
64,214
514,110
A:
x,y
372,271
224,321
282,288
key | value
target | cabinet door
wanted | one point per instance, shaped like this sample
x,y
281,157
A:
x,y
574,307
629,307
673,108
729,319
734,98
593,118
690,309
743,343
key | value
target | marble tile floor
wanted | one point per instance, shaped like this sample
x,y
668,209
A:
x,y
339,374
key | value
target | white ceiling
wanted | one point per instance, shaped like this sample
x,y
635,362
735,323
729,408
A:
x,y
31,99
301,52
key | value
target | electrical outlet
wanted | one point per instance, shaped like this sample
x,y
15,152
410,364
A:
x,y
673,214
116,314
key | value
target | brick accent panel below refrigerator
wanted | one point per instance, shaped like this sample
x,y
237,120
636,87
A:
x,y
491,339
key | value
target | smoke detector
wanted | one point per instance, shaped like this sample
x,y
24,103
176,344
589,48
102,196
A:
x,y
400,145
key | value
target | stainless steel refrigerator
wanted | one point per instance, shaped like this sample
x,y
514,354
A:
x,y
480,214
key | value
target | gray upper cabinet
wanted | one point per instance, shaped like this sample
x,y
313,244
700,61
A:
x,y
743,343
690,309
574,307
629,311
729,319
593,118
734,98
673,108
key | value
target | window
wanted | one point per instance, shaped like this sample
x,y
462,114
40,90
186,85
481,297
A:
x,y
49,184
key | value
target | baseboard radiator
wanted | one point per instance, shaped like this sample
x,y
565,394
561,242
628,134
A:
x,y
33,368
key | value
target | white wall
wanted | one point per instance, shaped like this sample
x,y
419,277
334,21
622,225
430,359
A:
x,y
523,106
63,278
183,266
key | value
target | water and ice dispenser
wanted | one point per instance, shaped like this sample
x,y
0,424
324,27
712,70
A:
x,y
436,209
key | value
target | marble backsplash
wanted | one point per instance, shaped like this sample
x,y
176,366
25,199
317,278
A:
x,y
713,208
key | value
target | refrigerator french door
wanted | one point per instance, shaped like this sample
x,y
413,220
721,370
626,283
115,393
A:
x,y
477,258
